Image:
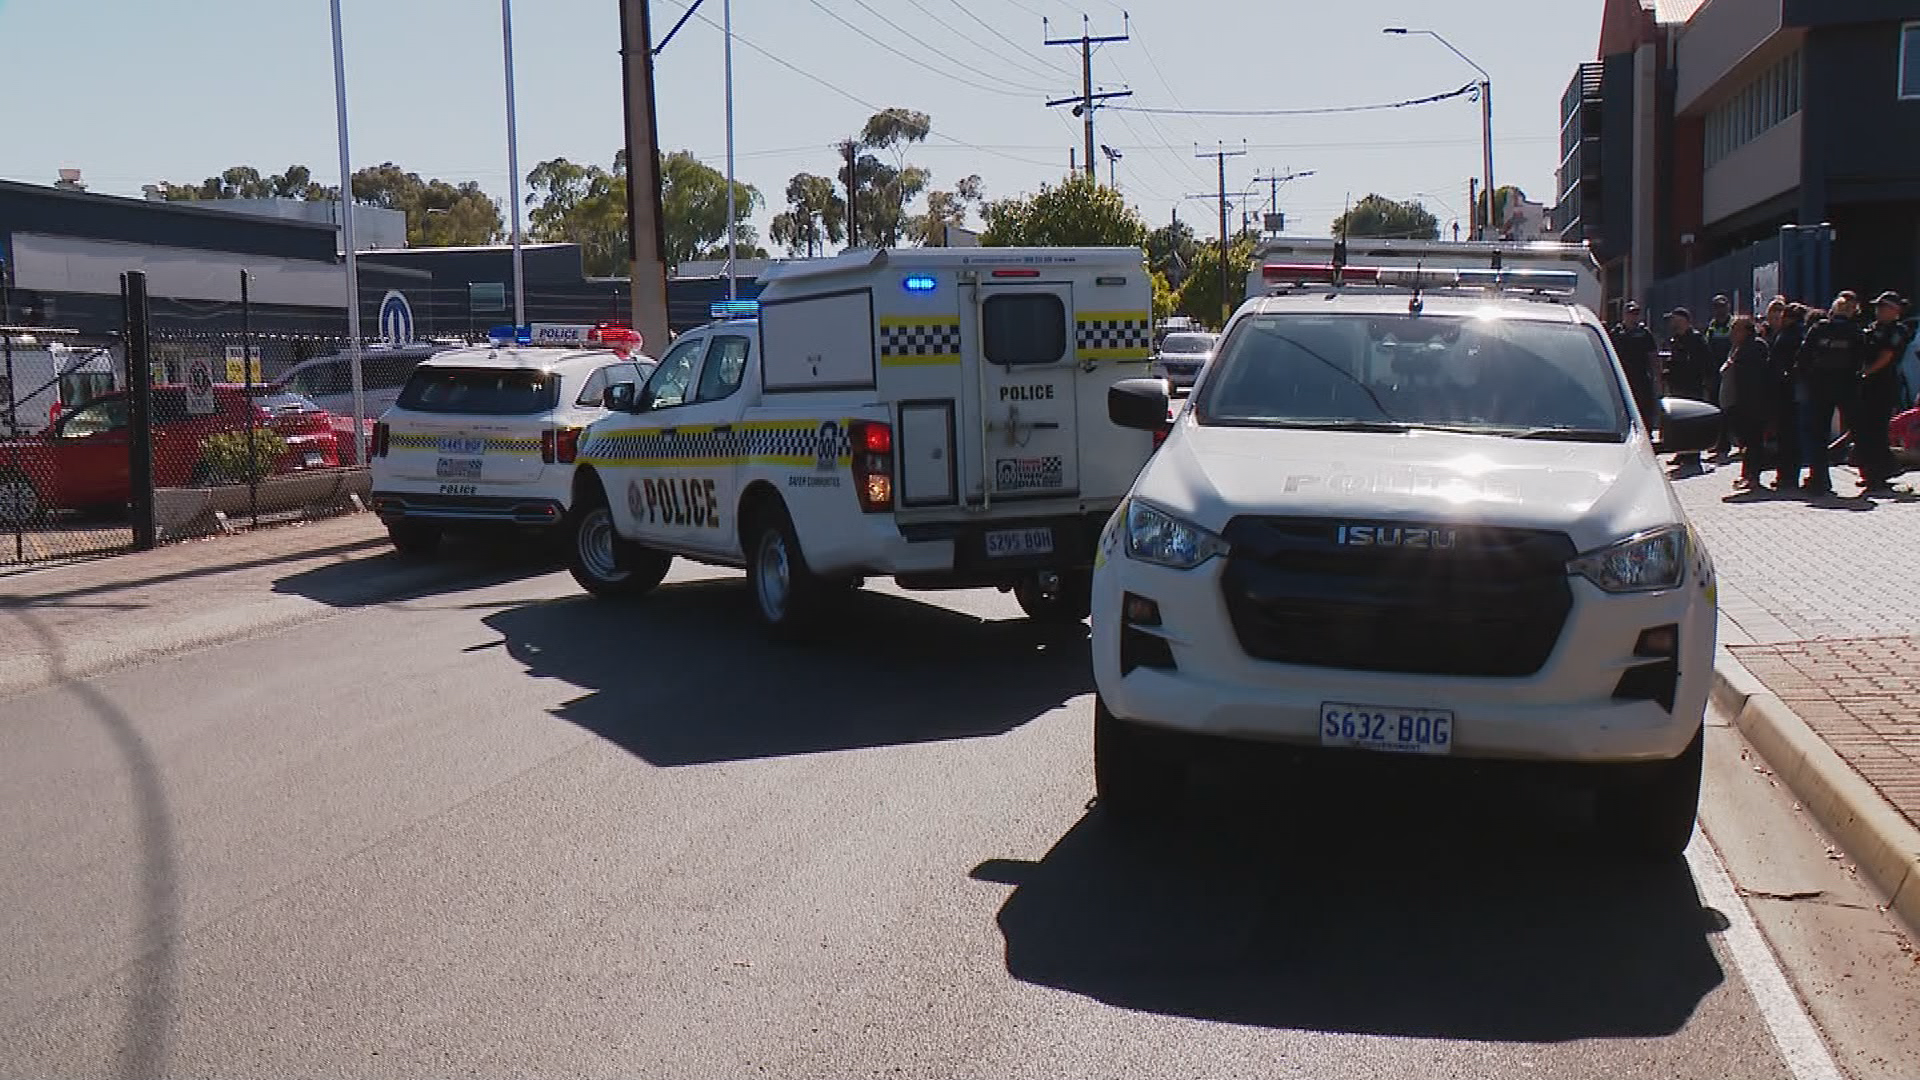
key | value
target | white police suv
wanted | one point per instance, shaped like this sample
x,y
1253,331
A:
x,y
1410,512
487,437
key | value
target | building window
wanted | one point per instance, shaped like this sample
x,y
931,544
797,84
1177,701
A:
x,y
1755,108
1910,61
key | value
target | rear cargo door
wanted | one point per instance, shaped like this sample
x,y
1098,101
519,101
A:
x,y
1026,414
472,425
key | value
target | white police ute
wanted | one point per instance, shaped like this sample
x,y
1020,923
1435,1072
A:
x,y
1410,512
487,437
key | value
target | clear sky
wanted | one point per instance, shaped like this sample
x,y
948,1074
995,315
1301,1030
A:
x,y
135,92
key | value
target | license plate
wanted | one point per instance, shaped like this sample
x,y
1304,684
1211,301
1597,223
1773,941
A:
x,y
463,446
315,459
457,468
1007,543
1378,727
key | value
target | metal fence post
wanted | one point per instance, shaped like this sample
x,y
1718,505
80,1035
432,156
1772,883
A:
x,y
139,409
253,406
13,420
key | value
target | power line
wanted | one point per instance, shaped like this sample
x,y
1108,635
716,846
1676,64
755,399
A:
x,y
865,104
995,31
1088,99
1324,111
935,66
1025,69
938,54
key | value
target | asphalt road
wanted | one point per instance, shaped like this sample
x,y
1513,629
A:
x,y
506,830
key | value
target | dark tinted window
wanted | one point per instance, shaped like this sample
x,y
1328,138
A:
x,y
279,401
726,365
480,391
1025,328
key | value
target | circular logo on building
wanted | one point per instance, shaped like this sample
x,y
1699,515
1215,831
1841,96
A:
x,y
396,318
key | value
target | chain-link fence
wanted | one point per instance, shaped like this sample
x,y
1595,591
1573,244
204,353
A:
x,y
206,435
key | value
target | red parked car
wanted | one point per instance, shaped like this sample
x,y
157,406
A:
x,y
81,460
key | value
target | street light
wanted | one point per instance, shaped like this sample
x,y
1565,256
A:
x,y
1486,123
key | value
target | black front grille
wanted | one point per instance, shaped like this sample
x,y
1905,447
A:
x,y
1452,600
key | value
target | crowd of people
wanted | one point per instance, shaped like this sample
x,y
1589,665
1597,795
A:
x,y
1781,379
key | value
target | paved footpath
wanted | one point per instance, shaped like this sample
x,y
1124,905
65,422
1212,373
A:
x,y
1818,600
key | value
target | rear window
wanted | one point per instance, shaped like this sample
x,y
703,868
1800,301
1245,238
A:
x,y
1187,343
1025,328
481,392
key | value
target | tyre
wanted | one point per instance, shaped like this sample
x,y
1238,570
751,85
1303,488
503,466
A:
x,y
1650,815
605,564
787,597
414,539
1056,599
1136,776
19,501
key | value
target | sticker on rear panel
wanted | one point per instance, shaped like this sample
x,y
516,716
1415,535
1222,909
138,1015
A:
x,y
1023,474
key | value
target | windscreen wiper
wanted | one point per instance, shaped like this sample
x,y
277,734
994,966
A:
x,y
1568,434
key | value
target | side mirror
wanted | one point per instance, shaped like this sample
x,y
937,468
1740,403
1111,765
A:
x,y
1140,404
1688,426
619,397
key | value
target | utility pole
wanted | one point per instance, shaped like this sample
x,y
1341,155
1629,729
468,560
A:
x,y
1273,182
646,239
1221,155
853,194
1473,206
1087,99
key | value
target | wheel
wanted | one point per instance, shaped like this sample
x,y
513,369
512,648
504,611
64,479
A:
x,y
414,539
19,500
1135,775
1650,815
605,564
787,596
1056,599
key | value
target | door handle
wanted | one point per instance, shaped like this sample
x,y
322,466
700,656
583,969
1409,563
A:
x,y
669,432
723,429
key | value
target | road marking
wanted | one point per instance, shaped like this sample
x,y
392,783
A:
x,y
1786,1018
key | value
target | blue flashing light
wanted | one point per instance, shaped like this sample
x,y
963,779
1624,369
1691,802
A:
x,y
920,283
511,335
735,309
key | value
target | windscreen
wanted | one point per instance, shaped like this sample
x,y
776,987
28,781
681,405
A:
x,y
281,401
1499,376
480,391
1195,344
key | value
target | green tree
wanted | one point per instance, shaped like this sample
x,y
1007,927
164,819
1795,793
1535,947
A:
x,y
947,210
585,205
439,213
883,189
1163,296
1384,218
693,198
1505,200
1199,297
816,216
1171,249
246,182
1079,212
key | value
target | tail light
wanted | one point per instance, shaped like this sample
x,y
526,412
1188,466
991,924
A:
x,y
379,439
871,444
561,445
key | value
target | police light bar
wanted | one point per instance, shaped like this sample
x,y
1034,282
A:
x,y
511,335
735,309
1520,279
623,340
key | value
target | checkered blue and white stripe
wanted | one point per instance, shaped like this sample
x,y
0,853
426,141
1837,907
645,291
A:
x,y
921,339
1106,335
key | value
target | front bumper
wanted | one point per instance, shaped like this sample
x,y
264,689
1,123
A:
x,y
1566,711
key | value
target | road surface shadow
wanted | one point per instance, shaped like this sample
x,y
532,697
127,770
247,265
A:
x,y
1376,911
389,577
686,676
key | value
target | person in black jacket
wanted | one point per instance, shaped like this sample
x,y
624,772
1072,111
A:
x,y
1879,393
1751,382
1830,364
1639,354
1786,327
1688,368
1719,335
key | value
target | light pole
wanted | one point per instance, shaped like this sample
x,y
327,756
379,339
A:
x,y
358,380
733,232
1485,221
513,170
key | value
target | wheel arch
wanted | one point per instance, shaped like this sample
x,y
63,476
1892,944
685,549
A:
x,y
756,499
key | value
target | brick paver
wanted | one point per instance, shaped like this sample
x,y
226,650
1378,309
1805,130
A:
x,y
1820,599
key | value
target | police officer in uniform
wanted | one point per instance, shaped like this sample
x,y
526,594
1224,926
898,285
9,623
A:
x,y
1689,365
1639,354
1832,358
1719,335
1879,391
1786,328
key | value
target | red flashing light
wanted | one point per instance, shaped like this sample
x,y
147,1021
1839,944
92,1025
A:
x,y
876,438
620,339
1021,272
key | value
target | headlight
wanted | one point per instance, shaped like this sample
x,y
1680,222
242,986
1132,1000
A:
x,y
1651,561
1155,536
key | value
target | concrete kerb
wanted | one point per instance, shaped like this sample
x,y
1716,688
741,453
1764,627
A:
x,y
1877,837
